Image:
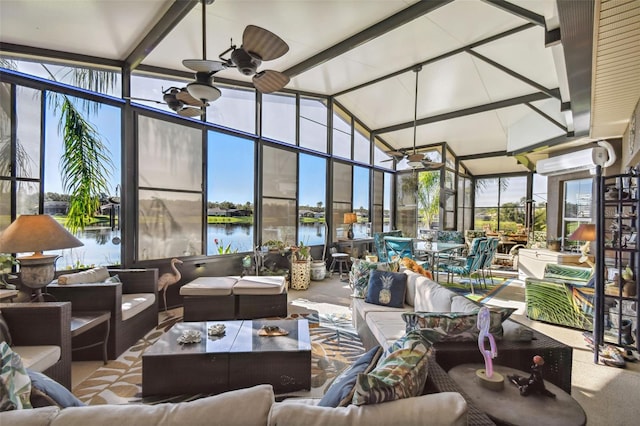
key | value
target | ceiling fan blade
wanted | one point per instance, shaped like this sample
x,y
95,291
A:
x,y
189,112
263,43
185,97
204,65
270,81
415,158
144,100
428,165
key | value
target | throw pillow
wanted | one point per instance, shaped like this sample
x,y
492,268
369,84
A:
x,y
359,276
15,385
400,375
5,334
340,392
386,288
94,275
412,340
454,326
113,279
54,390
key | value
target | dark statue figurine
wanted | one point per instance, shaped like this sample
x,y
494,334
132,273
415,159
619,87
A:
x,y
535,382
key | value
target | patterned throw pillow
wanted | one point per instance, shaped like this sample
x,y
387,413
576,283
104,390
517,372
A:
x,y
359,276
400,375
412,340
5,334
340,392
454,326
15,385
386,288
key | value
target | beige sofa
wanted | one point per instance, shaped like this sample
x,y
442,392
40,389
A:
x,y
252,406
381,325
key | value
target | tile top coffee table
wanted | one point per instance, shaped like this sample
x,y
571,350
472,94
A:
x,y
241,358
507,406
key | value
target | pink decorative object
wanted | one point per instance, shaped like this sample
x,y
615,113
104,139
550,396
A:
x,y
484,320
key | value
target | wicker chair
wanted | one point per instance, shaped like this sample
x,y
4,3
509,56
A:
x,y
35,324
108,297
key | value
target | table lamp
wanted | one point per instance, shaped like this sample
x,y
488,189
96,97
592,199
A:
x,y
36,233
350,219
585,232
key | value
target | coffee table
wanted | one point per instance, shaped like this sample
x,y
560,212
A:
x,y
507,406
241,358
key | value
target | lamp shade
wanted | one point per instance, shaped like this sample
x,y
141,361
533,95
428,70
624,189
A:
x,y
36,233
584,232
350,218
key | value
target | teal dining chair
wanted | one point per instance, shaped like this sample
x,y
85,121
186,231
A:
x,y
471,264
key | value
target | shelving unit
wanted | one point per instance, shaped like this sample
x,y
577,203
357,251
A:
x,y
616,302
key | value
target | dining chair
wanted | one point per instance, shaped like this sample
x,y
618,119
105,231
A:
x,y
398,247
471,265
489,256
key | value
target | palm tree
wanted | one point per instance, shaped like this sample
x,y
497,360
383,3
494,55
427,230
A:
x,y
85,165
428,196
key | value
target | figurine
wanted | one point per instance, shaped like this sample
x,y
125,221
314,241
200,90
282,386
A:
x,y
535,382
484,320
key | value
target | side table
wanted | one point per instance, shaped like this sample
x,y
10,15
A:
x,y
81,322
509,407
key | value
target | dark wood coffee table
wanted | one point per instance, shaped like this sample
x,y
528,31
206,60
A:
x,y
236,360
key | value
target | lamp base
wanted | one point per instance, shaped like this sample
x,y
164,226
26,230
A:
x,y
350,233
37,272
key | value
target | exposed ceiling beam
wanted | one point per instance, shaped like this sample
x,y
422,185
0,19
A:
x,y
57,54
438,58
518,11
483,155
548,117
555,93
466,111
176,13
401,18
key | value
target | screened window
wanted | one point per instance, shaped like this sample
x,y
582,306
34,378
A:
x,y
170,199
342,193
313,124
235,109
361,145
279,190
501,204
578,196
279,117
341,133
361,201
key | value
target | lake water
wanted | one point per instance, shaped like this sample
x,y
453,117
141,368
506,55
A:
x,y
102,245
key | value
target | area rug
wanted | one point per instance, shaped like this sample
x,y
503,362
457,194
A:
x,y
335,345
480,292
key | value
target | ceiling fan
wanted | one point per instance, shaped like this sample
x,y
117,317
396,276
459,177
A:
x,y
180,101
415,160
258,45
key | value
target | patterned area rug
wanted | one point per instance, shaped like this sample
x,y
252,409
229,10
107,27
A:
x,y
334,344
480,292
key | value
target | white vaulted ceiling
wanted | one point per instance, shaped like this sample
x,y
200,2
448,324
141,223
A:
x,y
490,84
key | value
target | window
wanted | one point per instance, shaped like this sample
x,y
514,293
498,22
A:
x,y
230,194
380,156
170,201
235,109
406,214
279,188
341,133
361,201
279,118
361,145
501,203
312,196
576,209
342,187
313,124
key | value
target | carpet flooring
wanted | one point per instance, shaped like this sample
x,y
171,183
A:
x,y
334,346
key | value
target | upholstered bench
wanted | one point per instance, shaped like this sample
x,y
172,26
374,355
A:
x,y
249,297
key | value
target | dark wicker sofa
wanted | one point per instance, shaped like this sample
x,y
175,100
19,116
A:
x,y
35,324
108,297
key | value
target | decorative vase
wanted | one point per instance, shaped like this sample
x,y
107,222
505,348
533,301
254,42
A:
x,y
318,270
300,274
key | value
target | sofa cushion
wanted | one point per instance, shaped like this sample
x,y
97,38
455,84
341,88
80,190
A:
x,y
38,358
54,390
260,285
340,392
431,296
94,275
387,288
209,286
386,327
5,334
34,417
402,374
463,304
15,386
445,408
241,407
134,303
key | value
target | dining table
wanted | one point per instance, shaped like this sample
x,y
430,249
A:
x,y
433,251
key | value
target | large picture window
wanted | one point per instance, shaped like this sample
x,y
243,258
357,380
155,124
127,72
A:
x,y
578,196
312,196
279,186
230,194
